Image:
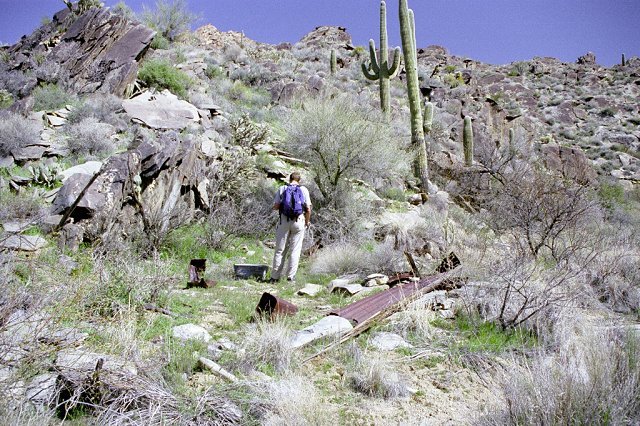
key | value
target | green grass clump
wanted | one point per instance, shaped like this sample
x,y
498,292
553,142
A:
x,y
162,75
485,337
6,99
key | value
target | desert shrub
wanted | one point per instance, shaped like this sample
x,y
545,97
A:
x,y
103,108
248,134
170,18
20,206
162,75
372,377
159,42
291,400
89,137
122,9
17,132
50,72
343,258
50,97
343,142
267,347
6,99
594,378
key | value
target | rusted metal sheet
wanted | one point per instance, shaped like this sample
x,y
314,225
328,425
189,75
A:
x,y
270,305
197,269
366,308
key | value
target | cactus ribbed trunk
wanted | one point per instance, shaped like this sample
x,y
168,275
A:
x,y
624,62
408,35
333,62
379,69
467,142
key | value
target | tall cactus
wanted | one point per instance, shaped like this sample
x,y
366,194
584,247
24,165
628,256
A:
x,y
408,35
467,142
427,118
624,62
378,69
333,62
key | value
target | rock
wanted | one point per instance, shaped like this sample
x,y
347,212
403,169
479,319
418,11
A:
x,y
42,390
388,341
70,238
570,162
64,336
89,168
84,362
28,153
23,243
6,162
447,314
429,300
587,59
191,331
161,110
16,227
310,290
209,148
331,325
327,37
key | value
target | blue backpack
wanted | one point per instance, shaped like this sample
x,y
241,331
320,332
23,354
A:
x,y
292,202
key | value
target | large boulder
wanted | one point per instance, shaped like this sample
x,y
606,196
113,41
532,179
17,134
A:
x,y
161,110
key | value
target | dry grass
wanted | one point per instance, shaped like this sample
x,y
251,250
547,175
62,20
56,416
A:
x,y
348,258
267,347
370,376
593,378
292,401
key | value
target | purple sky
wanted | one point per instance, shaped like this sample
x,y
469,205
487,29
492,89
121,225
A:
x,y
494,31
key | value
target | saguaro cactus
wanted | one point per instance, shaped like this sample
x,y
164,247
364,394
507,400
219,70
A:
x,y
427,118
408,35
379,69
333,62
624,62
467,142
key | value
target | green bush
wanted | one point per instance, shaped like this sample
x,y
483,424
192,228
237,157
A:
x,y
160,42
6,99
169,19
50,97
162,75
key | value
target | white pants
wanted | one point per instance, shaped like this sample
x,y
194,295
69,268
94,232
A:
x,y
289,236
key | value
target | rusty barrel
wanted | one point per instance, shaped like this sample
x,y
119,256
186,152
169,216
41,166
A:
x,y
270,305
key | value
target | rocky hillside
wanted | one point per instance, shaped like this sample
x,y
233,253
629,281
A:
x,y
123,160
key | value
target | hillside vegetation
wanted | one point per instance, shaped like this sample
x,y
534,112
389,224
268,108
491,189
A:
x,y
159,145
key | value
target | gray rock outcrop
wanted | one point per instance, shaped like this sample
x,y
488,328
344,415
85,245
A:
x,y
98,51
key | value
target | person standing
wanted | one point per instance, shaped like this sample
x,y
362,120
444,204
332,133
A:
x,y
294,206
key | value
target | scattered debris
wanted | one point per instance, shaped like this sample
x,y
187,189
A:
x,y
154,308
327,326
310,290
217,369
197,268
340,282
270,306
347,289
375,280
247,270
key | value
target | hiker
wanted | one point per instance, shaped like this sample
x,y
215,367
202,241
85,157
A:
x,y
294,205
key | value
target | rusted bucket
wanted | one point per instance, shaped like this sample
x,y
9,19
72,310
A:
x,y
270,306
197,268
